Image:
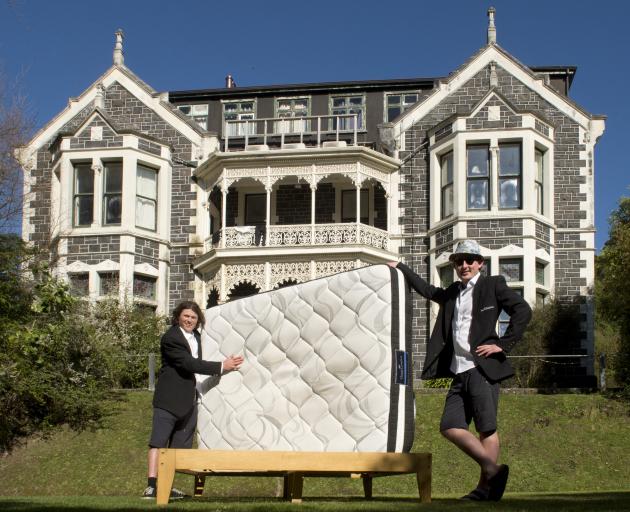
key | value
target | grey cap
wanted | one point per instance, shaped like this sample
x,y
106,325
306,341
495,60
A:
x,y
466,248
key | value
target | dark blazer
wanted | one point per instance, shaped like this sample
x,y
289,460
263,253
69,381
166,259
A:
x,y
175,390
490,296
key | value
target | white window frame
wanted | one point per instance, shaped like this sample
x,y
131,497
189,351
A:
x,y
346,123
403,104
294,124
242,129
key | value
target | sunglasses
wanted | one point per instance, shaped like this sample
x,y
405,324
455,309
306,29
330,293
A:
x,y
469,260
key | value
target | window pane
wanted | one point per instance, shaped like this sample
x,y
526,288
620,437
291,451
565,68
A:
x,y
79,284
113,177
84,179
539,166
539,199
393,99
145,213
511,269
356,100
509,193
447,201
477,161
230,107
83,208
147,182
144,286
339,102
540,273
486,269
447,169
200,110
393,113
247,107
509,160
113,208
109,283
410,98
446,276
184,109
477,194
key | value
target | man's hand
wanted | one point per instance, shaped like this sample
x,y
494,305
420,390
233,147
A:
x,y
486,350
232,363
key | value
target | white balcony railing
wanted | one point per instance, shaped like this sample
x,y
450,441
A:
x,y
315,130
299,235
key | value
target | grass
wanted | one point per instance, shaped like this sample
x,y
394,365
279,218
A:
x,y
574,502
560,444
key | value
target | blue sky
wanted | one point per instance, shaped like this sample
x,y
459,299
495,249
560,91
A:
x,y
55,49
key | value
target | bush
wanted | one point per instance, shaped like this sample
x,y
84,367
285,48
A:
x,y
552,329
60,357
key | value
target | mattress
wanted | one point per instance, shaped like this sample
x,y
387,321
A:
x,y
327,367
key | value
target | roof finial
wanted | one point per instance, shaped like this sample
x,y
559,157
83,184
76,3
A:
x,y
492,31
119,58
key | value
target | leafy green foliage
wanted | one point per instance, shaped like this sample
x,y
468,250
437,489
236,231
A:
x,y
551,328
59,356
611,291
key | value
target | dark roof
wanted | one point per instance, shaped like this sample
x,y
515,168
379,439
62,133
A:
x,y
398,83
364,85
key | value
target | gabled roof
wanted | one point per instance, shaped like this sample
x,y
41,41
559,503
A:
x,y
486,55
132,83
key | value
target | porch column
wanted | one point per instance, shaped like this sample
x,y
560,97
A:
x,y
224,192
268,214
313,190
358,212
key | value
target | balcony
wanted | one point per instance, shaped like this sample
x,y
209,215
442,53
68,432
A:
x,y
299,235
292,133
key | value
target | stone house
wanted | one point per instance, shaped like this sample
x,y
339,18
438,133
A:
x,y
219,193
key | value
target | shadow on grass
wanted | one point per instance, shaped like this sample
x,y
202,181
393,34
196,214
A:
x,y
574,502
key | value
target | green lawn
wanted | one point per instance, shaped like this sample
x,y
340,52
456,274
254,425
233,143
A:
x,y
575,502
561,444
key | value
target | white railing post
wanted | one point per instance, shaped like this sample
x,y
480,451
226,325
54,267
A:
x,y
268,215
313,190
224,192
319,131
356,119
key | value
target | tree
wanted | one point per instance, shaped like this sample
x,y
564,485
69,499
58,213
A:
x,y
611,290
15,127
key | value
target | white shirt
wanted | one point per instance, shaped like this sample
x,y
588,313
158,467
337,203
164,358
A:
x,y
194,350
462,316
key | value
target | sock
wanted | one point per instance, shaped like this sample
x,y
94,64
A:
x,y
152,481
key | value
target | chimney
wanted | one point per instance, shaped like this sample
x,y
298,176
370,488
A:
x,y
119,58
229,82
492,31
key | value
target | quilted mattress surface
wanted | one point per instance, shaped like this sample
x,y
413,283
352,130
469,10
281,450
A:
x,y
327,367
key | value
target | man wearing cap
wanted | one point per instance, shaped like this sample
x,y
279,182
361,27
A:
x,y
464,345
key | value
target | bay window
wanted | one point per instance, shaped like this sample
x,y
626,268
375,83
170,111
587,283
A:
x,y
83,203
446,168
539,181
477,177
510,172
146,197
112,193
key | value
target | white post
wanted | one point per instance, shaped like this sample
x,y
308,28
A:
x,y
97,206
268,189
358,212
224,192
313,191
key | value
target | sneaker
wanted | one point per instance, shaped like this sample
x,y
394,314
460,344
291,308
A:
x,y
176,494
149,493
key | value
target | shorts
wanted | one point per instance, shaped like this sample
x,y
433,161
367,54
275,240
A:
x,y
169,431
471,396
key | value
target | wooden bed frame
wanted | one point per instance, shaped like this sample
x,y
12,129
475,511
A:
x,y
293,466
